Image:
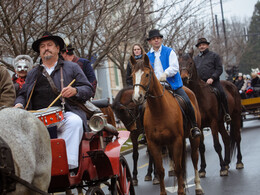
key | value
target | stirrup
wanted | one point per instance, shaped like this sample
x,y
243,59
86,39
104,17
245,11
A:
x,y
195,132
227,118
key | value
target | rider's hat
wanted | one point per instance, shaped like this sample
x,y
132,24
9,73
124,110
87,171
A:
x,y
67,49
47,36
154,33
202,40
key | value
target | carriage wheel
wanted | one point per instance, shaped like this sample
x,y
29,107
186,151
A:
x,y
95,191
123,184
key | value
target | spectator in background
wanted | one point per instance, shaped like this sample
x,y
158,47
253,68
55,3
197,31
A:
x,y
22,65
249,90
255,79
68,55
137,53
241,85
7,92
255,82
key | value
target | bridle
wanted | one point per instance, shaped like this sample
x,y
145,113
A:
x,y
131,112
146,88
189,73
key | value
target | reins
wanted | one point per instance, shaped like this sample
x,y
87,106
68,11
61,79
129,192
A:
x,y
134,118
189,73
146,88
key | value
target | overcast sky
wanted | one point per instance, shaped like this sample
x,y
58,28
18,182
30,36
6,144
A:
x,y
238,8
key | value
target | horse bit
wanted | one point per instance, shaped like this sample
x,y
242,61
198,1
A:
x,y
146,88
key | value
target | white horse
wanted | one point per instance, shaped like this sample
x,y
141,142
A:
x,y
29,142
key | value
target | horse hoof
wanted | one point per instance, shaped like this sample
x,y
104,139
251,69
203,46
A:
x,y
135,182
163,193
148,178
227,167
224,173
202,174
171,173
199,191
156,181
240,166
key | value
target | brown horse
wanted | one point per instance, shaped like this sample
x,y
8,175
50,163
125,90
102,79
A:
x,y
108,112
163,124
211,114
127,111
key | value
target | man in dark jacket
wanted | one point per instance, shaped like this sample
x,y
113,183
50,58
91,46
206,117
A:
x,y
39,80
68,54
209,67
7,92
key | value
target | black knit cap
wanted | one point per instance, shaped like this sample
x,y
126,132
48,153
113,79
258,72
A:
x,y
47,36
154,33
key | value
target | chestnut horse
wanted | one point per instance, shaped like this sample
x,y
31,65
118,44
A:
x,y
211,114
163,124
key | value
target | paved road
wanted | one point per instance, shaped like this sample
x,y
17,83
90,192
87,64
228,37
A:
x,y
239,182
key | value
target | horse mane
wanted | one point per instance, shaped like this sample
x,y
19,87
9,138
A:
x,y
116,103
139,65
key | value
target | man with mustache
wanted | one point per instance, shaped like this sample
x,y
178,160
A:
x,y
45,82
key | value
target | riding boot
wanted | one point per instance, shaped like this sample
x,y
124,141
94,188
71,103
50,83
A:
x,y
194,131
227,117
189,111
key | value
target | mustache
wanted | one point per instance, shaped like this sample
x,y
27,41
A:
x,y
47,51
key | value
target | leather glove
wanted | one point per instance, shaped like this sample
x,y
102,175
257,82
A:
x,y
163,77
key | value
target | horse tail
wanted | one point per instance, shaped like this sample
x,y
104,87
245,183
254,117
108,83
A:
x,y
232,143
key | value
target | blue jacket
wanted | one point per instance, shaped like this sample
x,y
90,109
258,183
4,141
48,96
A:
x,y
174,81
70,72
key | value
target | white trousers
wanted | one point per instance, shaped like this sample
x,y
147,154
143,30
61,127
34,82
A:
x,y
71,130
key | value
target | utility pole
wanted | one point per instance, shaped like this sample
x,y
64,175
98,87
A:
x,y
223,22
214,31
225,37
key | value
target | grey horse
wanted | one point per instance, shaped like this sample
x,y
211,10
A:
x,y
29,142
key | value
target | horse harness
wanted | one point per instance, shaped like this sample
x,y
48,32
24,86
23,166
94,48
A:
x,y
8,179
146,88
131,112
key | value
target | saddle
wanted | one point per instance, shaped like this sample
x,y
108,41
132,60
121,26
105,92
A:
x,y
180,100
219,99
7,184
183,106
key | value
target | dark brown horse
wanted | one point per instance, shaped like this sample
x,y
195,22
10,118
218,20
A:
x,y
212,116
163,124
108,112
128,112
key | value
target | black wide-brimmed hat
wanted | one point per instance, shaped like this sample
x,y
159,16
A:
x,y
202,40
68,48
47,36
154,33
